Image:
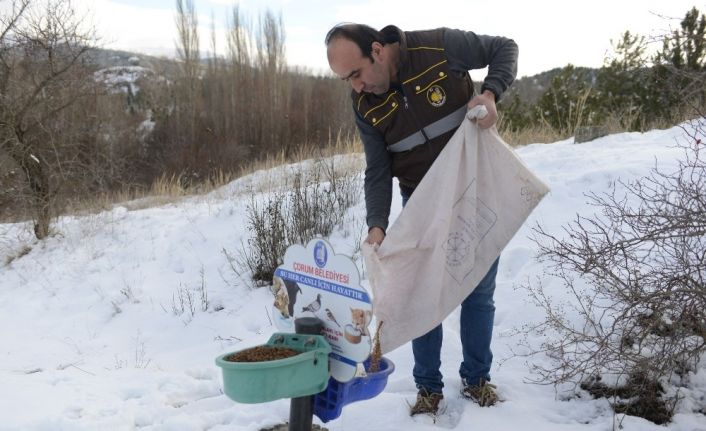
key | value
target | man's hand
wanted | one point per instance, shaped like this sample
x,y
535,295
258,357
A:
x,y
375,236
486,99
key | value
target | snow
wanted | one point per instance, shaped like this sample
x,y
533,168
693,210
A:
x,y
94,338
146,127
123,78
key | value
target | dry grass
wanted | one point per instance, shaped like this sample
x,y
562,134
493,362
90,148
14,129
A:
x,y
171,188
617,123
537,134
342,143
165,189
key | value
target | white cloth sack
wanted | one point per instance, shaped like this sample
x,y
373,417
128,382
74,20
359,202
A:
x,y
468,206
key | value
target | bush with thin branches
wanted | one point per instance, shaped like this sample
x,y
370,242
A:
x,y
636,278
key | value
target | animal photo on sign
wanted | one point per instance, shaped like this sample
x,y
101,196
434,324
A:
x,y
285,293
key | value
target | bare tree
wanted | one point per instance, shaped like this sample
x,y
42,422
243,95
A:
x,y
188,87
241,79
221,114
271,81
42,75
188,45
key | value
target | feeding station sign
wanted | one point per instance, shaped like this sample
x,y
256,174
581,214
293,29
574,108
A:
x,y
313,281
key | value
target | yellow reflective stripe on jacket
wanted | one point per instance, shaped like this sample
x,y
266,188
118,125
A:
x,y
428,69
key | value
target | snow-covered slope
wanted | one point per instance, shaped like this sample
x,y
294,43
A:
x,y
93,335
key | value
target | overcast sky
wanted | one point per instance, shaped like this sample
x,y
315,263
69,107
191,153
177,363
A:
x,y
550,33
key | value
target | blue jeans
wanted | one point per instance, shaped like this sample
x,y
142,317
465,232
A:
x,y
477,314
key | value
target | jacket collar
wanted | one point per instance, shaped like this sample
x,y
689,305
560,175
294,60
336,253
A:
x,y
393,34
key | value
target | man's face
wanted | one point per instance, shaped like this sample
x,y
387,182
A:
x,y
347,61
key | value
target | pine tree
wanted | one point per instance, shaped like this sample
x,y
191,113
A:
x,y
565,105
679,75
620,84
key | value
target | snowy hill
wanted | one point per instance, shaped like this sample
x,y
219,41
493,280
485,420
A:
x,y
99,333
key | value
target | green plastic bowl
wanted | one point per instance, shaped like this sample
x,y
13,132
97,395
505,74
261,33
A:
x,y
258,382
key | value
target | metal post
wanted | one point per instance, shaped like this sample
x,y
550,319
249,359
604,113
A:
x,y
301,409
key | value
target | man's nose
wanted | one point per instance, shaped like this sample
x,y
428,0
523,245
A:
x,y
357,85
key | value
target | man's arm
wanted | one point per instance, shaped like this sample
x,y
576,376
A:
x,y
466,50
378,180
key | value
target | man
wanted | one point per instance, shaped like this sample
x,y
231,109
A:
x,y
410,93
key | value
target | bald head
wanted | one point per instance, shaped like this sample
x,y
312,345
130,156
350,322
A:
x,y
357,54
360,34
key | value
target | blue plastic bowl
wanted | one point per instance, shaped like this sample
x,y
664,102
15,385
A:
x,y
329,403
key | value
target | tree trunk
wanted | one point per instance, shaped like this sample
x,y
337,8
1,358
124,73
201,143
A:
x,y
38,181
41,194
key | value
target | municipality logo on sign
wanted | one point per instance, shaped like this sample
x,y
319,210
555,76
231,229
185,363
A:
x,y
320,254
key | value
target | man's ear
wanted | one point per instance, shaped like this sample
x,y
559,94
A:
x,y
377,50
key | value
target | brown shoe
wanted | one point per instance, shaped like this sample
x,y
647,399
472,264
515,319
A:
x,y
482,393
427,402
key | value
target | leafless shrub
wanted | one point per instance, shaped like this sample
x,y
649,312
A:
x,y
317,202
202,291
187,301
183,301
268,239
129,294
141,360
315,205
636,278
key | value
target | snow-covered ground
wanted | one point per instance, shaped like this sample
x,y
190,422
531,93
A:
x,y
123,78
93,336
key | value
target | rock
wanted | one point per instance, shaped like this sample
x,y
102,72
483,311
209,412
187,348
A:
x,y
589,133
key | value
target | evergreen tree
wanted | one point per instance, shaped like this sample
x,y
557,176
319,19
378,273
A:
x,y
620,84
686,48
566,104
679,74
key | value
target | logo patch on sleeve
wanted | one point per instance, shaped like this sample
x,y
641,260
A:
x,y
436,96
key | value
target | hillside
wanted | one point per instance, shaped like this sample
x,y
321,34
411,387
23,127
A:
x,y
97,335
529,88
